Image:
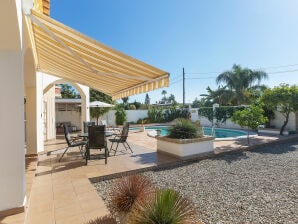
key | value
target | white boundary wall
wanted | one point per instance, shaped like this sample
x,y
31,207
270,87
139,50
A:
x,y
134,115
278,121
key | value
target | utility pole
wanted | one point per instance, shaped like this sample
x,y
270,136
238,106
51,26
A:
x,y
183,87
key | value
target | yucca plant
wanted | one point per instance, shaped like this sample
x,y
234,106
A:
x,y
126,191
183,129
108,219
165,207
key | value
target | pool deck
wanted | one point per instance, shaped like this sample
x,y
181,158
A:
x,y
62,193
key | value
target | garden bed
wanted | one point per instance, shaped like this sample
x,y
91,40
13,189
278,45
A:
x,y
258,186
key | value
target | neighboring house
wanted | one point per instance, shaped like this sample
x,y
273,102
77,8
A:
x,y
68,110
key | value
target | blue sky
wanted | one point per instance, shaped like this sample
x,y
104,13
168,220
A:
x,y
205,37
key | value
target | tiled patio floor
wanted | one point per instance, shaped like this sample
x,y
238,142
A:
x,y
62,193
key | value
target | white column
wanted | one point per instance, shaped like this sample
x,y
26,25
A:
x,y
84,92
34,117
12,159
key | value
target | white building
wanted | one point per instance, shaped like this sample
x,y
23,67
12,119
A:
x,y
37,52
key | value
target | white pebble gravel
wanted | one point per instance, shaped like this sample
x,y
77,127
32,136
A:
x,y
258,186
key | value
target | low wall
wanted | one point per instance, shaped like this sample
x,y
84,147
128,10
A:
x,y
134,115
131,116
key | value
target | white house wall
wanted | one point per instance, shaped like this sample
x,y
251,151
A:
x,y
12,160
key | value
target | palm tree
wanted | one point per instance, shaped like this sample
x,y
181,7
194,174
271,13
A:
x,y
172,99
164,93
239,80
221,95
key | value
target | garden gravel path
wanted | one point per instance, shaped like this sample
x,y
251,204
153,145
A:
x,y
258,186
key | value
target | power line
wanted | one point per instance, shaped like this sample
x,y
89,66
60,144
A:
x,y
174,80
260,68
269,73
278,72
177,81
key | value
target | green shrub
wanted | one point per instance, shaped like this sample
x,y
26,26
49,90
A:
x,y
144,121
132,107
184,129
166,206
173,112
120,115
155,114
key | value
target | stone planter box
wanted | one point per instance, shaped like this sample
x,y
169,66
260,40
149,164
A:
x,y
184,148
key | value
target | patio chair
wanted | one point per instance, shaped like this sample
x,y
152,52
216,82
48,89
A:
x,y
110,127
87,124
97,140
71,143
121,138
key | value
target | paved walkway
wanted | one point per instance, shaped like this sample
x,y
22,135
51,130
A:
x,y
62,193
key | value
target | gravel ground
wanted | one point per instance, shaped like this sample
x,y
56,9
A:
x,y
259,186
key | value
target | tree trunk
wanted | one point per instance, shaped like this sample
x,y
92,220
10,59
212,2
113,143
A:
x,y
285,123
248,136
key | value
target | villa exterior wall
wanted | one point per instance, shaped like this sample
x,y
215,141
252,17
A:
x,y
12,160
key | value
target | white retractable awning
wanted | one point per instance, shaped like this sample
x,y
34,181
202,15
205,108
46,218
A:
x,y
68,54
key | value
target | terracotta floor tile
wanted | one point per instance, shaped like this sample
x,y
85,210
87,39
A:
x,y
79,189
13,219
80,182
67,186
65,195
90,205
95,213
75,219
61,202
89,195
41,206
68,211
43,217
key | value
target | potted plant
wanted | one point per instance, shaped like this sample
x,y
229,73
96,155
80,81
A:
x,y
120,115
185,140
142,127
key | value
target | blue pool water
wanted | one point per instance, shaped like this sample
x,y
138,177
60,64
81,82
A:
x,y
219,132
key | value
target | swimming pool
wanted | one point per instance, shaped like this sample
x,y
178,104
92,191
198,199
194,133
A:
x,y
219,132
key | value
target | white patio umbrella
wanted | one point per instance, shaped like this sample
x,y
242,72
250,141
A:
x,y
99,104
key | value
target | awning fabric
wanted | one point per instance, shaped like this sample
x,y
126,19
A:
x,y
68,54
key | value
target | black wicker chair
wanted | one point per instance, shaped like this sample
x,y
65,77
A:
x,y
71,143
87,124
121,138
97,140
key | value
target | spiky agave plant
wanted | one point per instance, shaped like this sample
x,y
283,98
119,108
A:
x,y
103,220
166,206
126,191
